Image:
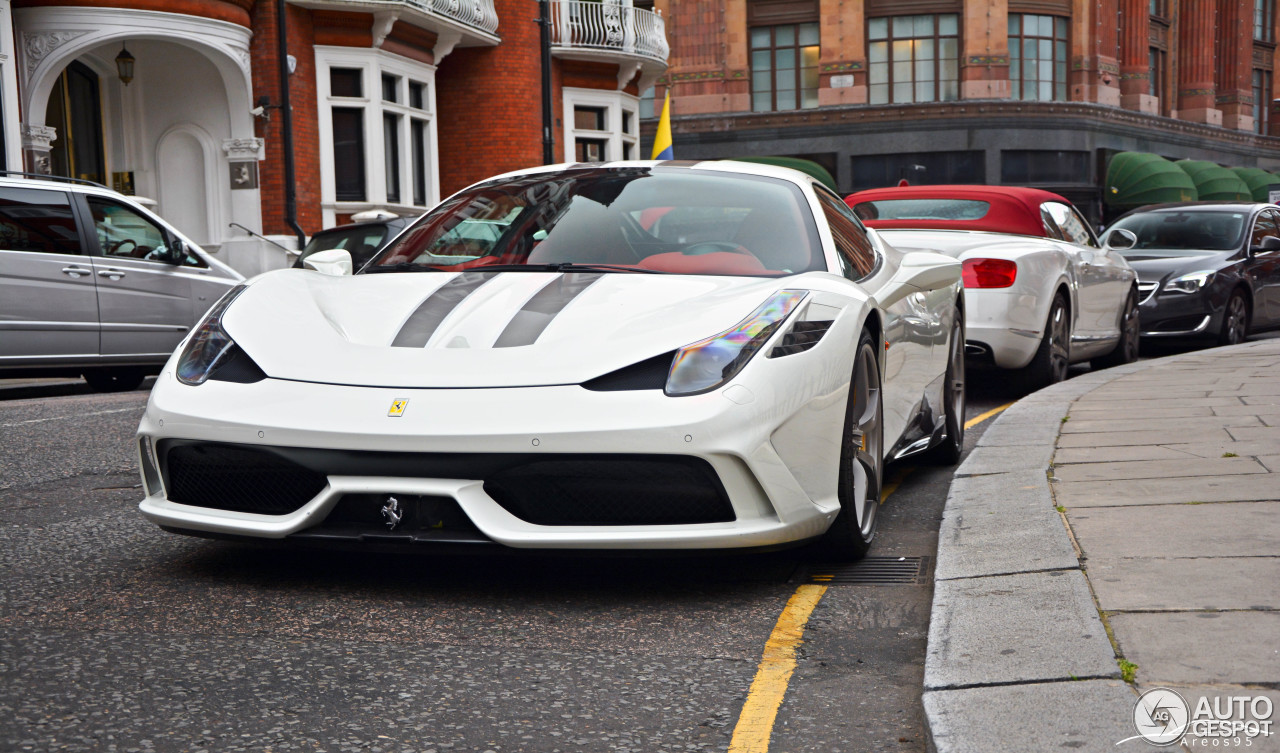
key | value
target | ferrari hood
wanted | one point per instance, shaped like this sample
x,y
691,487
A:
x,y
479,329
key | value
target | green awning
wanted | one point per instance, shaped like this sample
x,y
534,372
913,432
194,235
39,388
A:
x,y
1138,178
809,167
1214,182
1259,181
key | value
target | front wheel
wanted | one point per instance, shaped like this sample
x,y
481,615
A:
x,y
1235,320
1127,349
948,453
861,459
1052,359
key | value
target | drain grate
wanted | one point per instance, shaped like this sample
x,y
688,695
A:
x,y
872,571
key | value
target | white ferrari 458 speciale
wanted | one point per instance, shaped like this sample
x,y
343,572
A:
x,y
635,355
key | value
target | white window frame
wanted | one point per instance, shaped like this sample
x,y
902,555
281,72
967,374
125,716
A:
x,y
614,103
373,64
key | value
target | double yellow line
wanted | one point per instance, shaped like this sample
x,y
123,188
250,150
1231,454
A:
x,y
769,688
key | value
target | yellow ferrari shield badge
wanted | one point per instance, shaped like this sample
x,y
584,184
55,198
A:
x,y
397,407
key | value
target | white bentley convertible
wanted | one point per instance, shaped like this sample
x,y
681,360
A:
x,y
1040,293
617,356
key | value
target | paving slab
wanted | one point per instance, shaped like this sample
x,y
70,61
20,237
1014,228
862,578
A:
x,y
1158,491
1029,627
991,539
1110,411
1085,716
1019,435
1247,391
1028,457
1138,436
1201,647
1235,529
1185,583
1245,433
986,491
1272,463
1263,400
1172,425
1245,409
1218,449
1095,402
1221,695
1033,413
1070,455
1187,466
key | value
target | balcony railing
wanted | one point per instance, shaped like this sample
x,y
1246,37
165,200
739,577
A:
x,y
477,13
609,27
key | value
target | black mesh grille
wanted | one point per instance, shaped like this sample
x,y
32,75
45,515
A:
x,y
237,478
618,491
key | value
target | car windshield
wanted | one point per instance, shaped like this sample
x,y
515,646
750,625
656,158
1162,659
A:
x,y
922,209
632,219
1175,233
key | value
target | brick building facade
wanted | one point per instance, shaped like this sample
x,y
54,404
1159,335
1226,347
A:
x,y
1023,92
394,104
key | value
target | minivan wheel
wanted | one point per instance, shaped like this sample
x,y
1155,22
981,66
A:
x,y
115,380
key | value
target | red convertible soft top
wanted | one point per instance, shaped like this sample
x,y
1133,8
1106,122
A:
x,y
1012,209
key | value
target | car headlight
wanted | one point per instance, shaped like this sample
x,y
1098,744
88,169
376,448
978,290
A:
x,y
709,363
1189,283
209,344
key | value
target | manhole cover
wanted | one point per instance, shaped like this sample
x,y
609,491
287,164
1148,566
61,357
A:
x,y
872,571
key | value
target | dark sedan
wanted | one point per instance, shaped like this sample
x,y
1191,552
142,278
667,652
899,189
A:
x,y
1206,271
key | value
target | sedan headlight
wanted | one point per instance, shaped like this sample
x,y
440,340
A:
x,y
1189,283
209,344
709,363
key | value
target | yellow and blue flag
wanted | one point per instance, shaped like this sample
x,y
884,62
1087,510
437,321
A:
x,y
662,139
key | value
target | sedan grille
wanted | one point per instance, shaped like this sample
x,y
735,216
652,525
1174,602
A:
x,y
238,478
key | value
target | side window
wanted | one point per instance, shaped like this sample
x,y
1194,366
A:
x,y
1264,226
1073,229
124,233
1051,229
37,220
1086,228
857,254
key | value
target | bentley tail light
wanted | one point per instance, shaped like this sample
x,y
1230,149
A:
x,y
989,273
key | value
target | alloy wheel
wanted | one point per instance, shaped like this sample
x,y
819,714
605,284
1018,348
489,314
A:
x,y
866,438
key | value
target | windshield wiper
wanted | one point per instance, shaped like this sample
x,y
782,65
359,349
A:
x,y
564,266
404,266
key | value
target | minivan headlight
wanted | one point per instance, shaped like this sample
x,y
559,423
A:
x,y
209,344
709,363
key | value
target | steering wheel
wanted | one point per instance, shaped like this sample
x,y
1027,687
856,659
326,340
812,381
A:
x,y
712,247
114,248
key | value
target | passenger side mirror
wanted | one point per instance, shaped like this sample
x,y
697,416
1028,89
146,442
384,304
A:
x,y
335,261
1121,240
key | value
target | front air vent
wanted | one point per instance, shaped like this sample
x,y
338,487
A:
x,y
650,374
803,335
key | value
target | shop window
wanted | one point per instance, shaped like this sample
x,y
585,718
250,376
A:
x,y
1038,56
1031,166
913,58
918,168
784,67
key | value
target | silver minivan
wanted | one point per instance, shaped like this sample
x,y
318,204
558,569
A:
x,y
92,283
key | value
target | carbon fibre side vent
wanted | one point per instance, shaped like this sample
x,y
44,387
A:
x,y
803,335
650,374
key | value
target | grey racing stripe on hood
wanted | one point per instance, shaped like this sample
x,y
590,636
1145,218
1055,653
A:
x,y
422,323
529,322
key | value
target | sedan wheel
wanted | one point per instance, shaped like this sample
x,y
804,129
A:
x,y
1052,359
1127,349
1235,322
861,460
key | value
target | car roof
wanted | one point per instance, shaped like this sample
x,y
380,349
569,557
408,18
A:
x,y
1013,209
1200,206
727,166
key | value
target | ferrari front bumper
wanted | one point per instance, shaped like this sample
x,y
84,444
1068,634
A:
x,y
773,452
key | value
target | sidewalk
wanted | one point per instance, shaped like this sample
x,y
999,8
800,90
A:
x,y
1130,515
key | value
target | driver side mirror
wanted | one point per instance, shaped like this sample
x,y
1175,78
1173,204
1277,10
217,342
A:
x,y
1121,240
335,261
1269,243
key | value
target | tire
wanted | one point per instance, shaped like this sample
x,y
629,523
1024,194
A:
x,y
1126,350
115,380
1052,359
861,460
1235,320
948,453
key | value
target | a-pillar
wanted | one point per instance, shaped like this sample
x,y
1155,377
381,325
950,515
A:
x,y
843,67
1095,74
984,64
1197,27
1135,61
1235,64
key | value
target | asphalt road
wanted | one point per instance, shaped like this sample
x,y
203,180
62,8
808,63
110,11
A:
x,y
116,636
